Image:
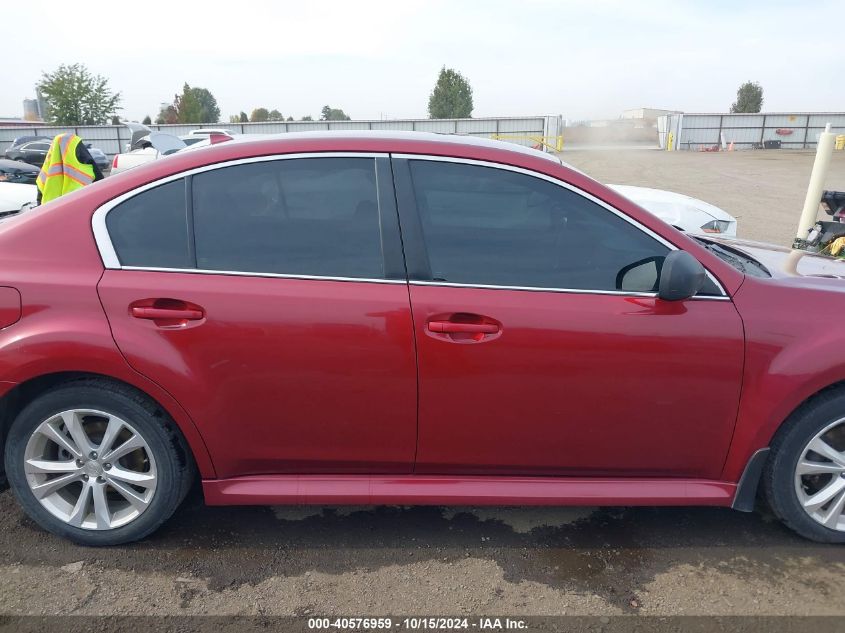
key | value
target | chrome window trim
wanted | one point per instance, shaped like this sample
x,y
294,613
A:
x,y
580,192
112,262
238,273
98,221
580,291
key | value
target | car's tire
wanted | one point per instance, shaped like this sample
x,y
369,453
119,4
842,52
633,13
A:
x,y
789,491
104,503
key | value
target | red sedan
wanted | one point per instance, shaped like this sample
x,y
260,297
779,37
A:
x,y
415,319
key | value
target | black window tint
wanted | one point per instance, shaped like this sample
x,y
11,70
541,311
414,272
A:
x,y
483,225
311,216
150,229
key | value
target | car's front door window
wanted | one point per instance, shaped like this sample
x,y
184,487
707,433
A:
x,y
488,226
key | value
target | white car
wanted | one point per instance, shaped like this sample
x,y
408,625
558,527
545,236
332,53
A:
x,y
16,197
683,212
147,146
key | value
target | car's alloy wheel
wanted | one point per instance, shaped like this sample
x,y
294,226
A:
x,y
90,469
97,462
820,476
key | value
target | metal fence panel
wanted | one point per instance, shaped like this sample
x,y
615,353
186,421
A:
x,y
701,120
512,126
348,125
786,120
112,139
742,120
835,120
442,126
740,135
709,136
176,130
794,130
481,126
388,125
791,135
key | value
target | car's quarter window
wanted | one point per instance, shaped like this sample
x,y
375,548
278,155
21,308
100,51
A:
x,y
489,226
149,229
309,216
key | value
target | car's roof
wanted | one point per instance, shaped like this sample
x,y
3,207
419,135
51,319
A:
x,y
17,164
391,135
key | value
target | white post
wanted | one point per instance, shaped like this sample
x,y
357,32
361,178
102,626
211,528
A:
x,y
824,151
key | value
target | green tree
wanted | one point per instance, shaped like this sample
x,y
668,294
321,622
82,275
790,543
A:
x,y
115,120
194,105
333,114
451,97
259,115
147,120
244,117
307,117
234,118
76,97
167,115
275,115
749,98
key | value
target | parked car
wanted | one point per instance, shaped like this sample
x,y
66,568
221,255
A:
x,y
16,197
405,318
17,187
160,144
15,171
103,162
147,149
20,140
32,152
683,212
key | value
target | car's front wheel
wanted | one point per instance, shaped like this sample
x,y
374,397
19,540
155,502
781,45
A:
x,y
96,463
804,479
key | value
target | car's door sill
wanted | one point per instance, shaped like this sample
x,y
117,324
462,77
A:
x,y
470,490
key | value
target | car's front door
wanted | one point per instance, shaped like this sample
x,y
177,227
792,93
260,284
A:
x,y
269,298
542,347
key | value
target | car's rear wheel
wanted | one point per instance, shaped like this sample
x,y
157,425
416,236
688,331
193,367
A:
x,y
804,478
96,463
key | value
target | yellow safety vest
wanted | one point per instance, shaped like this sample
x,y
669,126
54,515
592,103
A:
x,y
62,172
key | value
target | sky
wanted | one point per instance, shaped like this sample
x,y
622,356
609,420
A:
x,y
587,59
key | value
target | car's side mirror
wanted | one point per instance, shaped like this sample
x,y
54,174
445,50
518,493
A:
x,y
681,277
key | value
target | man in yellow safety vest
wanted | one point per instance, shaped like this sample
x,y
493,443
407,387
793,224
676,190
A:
x,y
67,167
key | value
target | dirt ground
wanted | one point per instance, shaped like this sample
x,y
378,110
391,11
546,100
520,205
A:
x,y
428,560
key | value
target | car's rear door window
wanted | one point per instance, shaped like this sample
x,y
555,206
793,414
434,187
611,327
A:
x,y
489,226
150,230
309,217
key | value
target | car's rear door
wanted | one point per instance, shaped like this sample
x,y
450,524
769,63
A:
x,y
542,346
269,298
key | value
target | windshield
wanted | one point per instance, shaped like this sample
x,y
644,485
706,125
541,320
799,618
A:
x,y
736,258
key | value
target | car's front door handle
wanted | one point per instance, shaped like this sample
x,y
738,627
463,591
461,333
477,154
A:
x,y
185,314
451,327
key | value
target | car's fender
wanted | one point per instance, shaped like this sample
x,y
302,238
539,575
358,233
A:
x,y
782,370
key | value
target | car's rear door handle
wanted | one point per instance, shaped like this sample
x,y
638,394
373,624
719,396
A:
x,y
186,314
451,327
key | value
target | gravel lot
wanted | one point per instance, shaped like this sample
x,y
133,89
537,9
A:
x,y
506,561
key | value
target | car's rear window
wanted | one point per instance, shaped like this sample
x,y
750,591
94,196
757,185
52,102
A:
x,y
150,230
